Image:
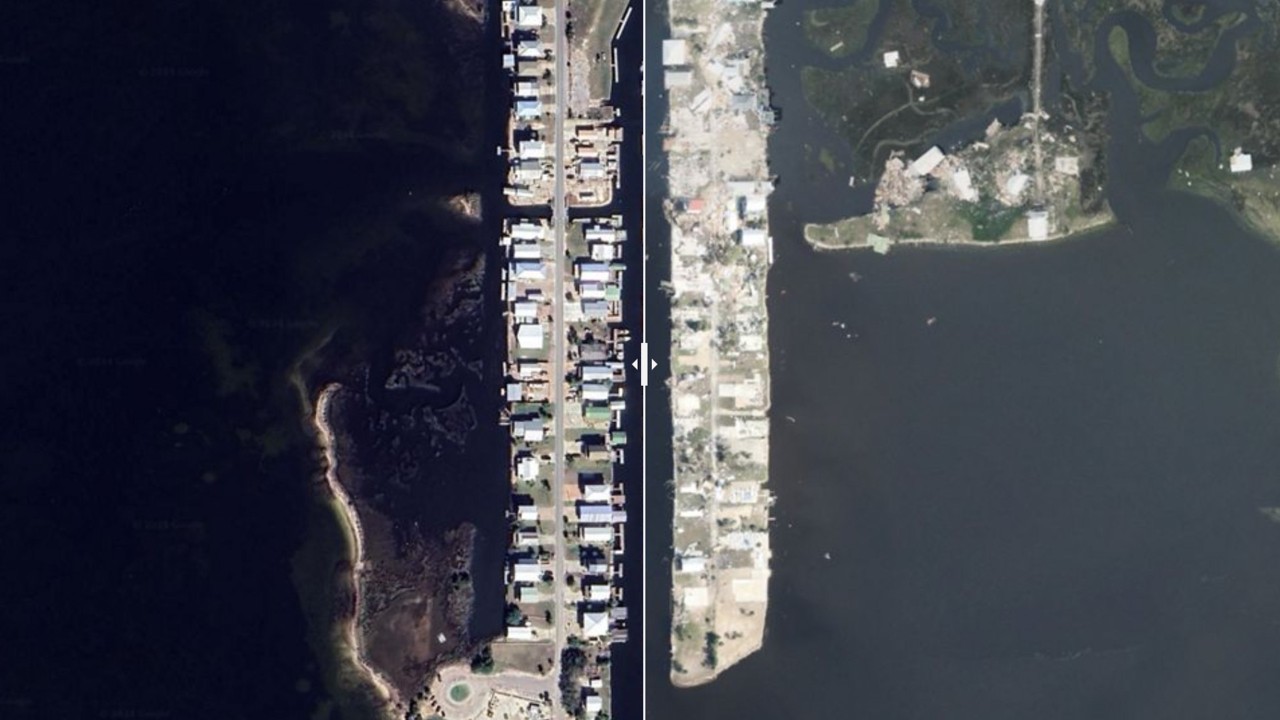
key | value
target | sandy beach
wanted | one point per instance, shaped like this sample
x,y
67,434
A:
x,y
351,523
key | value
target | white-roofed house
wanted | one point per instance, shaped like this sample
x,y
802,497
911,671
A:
x,y
596,534
521,633
596,492
527,231
596,392
1241,161
526,251
528,108
595,625
753,237
532,149
603,251
527,468
527,537
528,17
591,170
529,336
593,272
525,310
596,373
595,514
527,571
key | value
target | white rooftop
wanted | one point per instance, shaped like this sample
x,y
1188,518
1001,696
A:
x,y
1241,161
674,52
927,162
595,624
1038,224
529,336
529,16
677,79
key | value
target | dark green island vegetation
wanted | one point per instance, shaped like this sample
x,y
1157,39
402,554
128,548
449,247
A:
x,y
1236,118
1211,80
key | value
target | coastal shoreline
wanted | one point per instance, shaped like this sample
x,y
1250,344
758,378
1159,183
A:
x,y
350,520
1102,223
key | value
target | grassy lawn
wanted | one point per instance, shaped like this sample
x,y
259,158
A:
x,y
989,221
840,31
524,656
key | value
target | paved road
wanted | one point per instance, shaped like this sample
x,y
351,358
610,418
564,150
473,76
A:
x,y
512,682
558,340
1036,111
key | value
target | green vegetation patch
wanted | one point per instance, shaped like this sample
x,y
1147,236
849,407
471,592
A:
x,y
459,692
1185,54
997,24
1242,110
990,221
827,159
709,658
877,110
1188,13
482,663
573,664
841,31
848,233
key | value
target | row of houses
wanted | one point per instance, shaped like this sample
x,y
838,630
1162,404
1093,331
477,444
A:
x,y
598,385
595,351
527,288
527,59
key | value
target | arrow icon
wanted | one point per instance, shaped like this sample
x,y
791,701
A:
x,y
645,366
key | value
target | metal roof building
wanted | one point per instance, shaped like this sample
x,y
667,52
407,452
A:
x,y
595,514
529,336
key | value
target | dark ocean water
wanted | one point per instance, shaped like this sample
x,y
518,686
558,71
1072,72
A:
x,y
194,194
1046,504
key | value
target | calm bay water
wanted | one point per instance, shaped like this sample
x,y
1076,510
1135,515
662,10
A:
x,y
197,193
1045,504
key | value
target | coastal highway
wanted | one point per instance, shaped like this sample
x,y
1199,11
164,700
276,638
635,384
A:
x,y
559,341
1037,112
